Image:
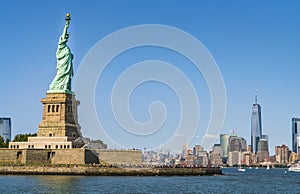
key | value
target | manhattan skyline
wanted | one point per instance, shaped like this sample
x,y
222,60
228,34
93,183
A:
x,y
255,44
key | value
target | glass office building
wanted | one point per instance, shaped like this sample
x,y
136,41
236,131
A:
x,y
224,141
5,128
256,128
295,126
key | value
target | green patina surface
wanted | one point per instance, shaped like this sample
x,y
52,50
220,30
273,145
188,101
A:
x,y
64,67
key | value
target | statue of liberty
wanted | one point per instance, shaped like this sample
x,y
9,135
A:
x,y
64,67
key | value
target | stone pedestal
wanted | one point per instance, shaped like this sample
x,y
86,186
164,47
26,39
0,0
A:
x,y
60,116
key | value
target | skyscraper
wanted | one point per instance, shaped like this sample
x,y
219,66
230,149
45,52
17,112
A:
x,y
256,129
237,143
295,126
224,141
5,128
263,148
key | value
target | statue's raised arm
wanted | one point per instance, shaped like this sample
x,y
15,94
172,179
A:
x,y
64,67
64,37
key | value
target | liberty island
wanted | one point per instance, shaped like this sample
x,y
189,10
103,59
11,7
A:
x,y
59,139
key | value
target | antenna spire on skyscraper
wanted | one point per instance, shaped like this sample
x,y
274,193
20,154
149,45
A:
x,y
256,97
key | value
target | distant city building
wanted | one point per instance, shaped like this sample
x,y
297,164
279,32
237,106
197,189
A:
x,y
197,149
263,149
234,158
189,159
5,128
151,157
189,152
263,145
237,143
216,155
224,141
282,154
203,159
247,158
168,153
271,159
295,126
298,145
249,148
256,127
294,157
200,156
184,147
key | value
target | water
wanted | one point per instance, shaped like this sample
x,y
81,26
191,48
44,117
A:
x,y
251,181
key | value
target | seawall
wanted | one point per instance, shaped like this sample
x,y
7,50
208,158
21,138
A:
x,y
106,171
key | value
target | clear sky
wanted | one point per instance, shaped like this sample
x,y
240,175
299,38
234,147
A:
x,y
256,45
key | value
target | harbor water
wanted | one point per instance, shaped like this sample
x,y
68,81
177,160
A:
x,y
251,181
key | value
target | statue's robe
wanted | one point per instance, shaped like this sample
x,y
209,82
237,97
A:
x,y
64,67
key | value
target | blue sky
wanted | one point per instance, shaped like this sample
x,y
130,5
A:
x,y
256,45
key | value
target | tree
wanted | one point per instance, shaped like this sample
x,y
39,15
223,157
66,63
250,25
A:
x,y
23,137
2,143
97,141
